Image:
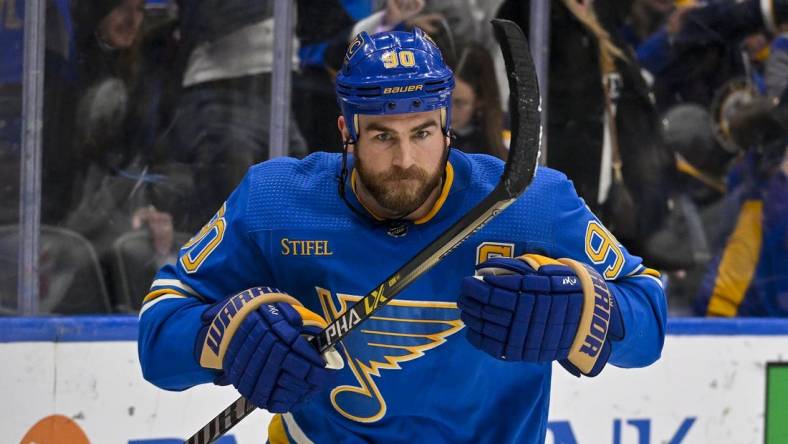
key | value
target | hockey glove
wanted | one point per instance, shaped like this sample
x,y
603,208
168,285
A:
x,y
256,338
539,309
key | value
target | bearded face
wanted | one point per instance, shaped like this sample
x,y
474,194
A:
x,y
399,160
399,190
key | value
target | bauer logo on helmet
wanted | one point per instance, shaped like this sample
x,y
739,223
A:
x,y
402,89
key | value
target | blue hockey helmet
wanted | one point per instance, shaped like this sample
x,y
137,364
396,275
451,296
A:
x,y
393,73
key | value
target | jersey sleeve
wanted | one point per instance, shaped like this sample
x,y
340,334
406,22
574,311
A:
x,y
579,235
219,261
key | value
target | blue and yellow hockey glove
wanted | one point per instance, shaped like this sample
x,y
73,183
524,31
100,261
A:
x,y
257,338
538,309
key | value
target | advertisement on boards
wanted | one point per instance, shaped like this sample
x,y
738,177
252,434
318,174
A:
x,y
706,388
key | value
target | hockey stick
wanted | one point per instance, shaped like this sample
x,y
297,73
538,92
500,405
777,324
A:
x,y
517,175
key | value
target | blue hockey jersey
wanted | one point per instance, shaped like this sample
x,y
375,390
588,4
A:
x,y
410,374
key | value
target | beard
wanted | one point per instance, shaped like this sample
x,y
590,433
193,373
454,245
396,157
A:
x,y
400,190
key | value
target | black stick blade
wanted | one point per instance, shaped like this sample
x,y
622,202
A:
x,y
524,107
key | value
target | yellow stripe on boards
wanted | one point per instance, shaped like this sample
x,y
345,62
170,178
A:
x,y
737,266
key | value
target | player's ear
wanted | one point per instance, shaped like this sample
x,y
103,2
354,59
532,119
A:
x,y
343,131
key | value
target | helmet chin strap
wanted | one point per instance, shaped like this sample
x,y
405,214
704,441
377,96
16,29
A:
x,y
343,178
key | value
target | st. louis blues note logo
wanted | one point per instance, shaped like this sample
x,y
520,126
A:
x,y
398,332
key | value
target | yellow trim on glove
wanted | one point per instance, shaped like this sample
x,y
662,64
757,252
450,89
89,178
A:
x,y
276,431
595,318
597,309
230,316
537,260
310,318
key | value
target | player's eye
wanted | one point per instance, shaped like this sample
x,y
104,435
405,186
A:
x,y
423,134
383,137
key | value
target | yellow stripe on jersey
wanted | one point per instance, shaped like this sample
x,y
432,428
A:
x,y
161,283
276,431
651,272
737,266
156,293
442,198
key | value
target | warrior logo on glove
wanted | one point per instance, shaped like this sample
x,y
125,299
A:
x,y
257,339
538,309
235,309
597,326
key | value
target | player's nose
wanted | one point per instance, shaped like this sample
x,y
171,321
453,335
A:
x,y
404,155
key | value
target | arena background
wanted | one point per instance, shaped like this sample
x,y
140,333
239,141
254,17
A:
x,y
78,380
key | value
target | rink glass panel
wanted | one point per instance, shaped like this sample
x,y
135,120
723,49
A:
x,y
11,55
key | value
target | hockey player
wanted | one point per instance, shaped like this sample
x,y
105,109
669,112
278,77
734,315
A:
x,y
551,283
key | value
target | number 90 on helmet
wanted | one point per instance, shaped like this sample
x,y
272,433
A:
x,y
393,73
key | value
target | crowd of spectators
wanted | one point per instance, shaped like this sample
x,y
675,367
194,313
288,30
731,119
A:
x,y
670,117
